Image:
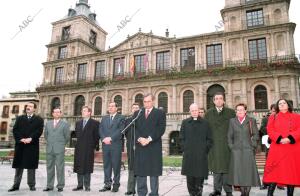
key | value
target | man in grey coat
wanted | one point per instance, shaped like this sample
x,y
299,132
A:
x,y
110,134
57,135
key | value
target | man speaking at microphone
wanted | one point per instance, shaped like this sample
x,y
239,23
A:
x,y
150,126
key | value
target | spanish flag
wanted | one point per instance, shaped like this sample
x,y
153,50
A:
x,y
132,64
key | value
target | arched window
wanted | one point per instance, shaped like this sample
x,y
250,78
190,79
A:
x,y
188,99
55,103
260,97
118,100
139,99
211,91
79,103
98,106
175,148
163,101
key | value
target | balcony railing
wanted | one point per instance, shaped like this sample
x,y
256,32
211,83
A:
x,y
202,69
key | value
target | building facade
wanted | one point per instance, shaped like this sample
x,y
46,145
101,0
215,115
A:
x,y
252,61
10,108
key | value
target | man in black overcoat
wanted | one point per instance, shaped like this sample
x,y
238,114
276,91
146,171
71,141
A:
x,y
27,130
150,126
87,136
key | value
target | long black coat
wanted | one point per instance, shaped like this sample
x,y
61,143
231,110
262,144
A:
x,y
196,140
87,139
130,142
148,159
27,155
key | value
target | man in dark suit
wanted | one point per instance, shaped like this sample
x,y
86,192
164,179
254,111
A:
x,y
130,145
87,135
27,130
57,135
150,126
110,133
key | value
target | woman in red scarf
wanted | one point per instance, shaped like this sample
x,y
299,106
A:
x,y
282,166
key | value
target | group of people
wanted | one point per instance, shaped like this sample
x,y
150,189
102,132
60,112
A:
x,y
222,141
144,147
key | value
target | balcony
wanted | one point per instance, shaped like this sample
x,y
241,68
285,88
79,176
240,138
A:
x,y
226,67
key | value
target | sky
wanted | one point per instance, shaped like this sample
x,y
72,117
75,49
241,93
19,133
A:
x,y
26,29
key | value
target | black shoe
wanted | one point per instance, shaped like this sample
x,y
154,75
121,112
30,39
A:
x,y
48,189
115,189
229,194
105,188
13,189
60,189
87,189
32,188
215,193
130,193
280,187
263,187
77,189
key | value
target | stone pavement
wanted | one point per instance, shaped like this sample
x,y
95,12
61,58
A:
x,y
171,183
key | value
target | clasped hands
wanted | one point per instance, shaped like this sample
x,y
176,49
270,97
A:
x,y
107,140
26,140
285,141
143,141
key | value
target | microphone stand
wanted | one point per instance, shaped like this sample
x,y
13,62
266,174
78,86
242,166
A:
x,y
133,120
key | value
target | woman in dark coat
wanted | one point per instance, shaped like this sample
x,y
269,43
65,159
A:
x,y
282,165
196,140
242,140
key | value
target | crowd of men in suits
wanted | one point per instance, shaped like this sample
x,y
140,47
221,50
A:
x,y
144,129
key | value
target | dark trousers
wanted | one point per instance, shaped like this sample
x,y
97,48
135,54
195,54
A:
x,y
84,179
220,180
112,162
30,177
142,189
131,181
194,185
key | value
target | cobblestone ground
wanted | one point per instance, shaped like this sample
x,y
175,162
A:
x,y
171,183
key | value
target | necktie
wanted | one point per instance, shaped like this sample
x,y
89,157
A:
x,y
111,119
147,113
84,123
29,117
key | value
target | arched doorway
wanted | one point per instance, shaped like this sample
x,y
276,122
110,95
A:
x,y
79,103
174,143
98,106
188,99
55,103
139,98
260,97
211,91
163,101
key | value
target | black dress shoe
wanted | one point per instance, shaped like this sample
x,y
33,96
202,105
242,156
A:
x,y
88,189
105,188
13,189
263,187
115,190
129,193
77,189
48,189
215,193
280,187
60,189
32,188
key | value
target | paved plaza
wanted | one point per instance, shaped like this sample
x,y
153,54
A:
x,y
171,183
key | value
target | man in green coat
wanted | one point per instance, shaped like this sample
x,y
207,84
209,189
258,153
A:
x,y
219,156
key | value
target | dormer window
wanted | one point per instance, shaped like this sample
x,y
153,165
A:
x,y
65,33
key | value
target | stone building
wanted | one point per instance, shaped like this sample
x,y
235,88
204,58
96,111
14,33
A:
x,y
252,61
10,108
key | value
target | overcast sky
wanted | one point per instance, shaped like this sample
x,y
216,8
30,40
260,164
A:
x,y
22,52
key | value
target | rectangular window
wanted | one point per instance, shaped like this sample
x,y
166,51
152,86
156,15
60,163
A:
x,y
257,50
81,74
93,37
162,61
140,64
65,33
119,66
100,70
15,109
3,129
59,73
214,57
255,18
62,52
187,58
5,112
